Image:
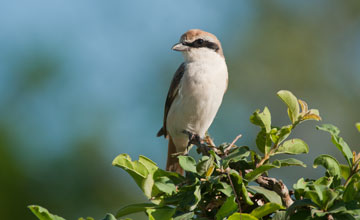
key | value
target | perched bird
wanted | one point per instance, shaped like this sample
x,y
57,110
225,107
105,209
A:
x,y
195,93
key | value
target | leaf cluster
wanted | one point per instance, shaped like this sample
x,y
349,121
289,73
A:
x,y
225,182
327,196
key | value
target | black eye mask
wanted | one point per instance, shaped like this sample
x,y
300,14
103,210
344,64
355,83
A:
x,y
202,43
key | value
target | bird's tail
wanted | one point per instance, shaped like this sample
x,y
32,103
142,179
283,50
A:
x,y
172,163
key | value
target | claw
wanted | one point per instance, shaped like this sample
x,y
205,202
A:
x,y
193,138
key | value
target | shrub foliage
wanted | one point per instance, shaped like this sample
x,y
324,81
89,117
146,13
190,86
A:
x,y
231,182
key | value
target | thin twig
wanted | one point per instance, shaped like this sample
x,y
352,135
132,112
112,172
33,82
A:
x,y
267,156
209,141
263,160
233,187
226,151
211,144
277,186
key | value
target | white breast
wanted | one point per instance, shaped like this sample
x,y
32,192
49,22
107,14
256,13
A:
x,y
201,91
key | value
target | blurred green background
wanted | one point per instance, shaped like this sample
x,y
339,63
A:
x,y
83,81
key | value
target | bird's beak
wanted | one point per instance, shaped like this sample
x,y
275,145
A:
x,y
179,47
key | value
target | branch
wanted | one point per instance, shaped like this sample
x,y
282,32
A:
x,y
277,186
226,151
267,182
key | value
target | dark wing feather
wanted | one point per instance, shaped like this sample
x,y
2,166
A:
x,y
172,93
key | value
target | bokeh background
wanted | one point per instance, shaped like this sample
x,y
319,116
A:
x,y
83,81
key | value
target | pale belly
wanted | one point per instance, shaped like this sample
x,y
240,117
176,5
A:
x,y
196,105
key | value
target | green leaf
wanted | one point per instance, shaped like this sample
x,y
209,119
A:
x,y
333,130
266,209
352,190
279,215
251,176
357,125
330,164
345,216
129,209
226,189
245,194
165,185
187,163
343,147
150,165
236,155
109,217
338,141
141,171
314,197
175,177
43,214
300,187
197,196
242,216
186,216
204,165
217,158
353,212
298,204
323,196
262,119
228,208
292,103
240,186
300,184
303,215
283,133
136,169
345,171
271,196
288,162
326,181
318,213
263,141
293,146
337,208
163,213
187,197
329,196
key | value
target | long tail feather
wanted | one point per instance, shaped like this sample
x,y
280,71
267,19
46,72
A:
x,y
172,163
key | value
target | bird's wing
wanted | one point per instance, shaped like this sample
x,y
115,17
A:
x,y
172,93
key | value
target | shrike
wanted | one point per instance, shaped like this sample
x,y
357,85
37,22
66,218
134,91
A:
x,y
195,93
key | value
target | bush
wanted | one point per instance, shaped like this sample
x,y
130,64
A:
x,y
231,182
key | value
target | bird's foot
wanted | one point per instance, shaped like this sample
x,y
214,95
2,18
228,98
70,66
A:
x,y
195,139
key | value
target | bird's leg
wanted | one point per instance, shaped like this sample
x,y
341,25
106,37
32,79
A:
x,y
195,139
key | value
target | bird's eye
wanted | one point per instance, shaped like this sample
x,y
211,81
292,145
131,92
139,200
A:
x,y
199,41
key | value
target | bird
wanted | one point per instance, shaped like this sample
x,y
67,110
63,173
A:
x,y
195,94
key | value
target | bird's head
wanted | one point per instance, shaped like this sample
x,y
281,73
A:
x,y
196,44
